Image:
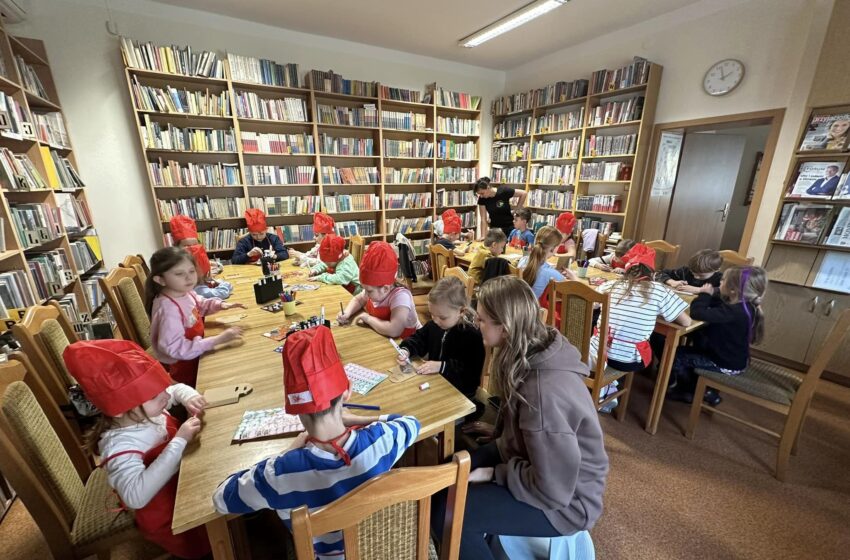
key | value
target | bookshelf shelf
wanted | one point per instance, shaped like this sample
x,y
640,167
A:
x,y
513,114
283,185
8,86
347,126
187,116
408,158
343,96
613,125
8,254
338,156
616,92
544,209
247,120
600,182
816,246
557,132
551,185
273,154
454,135
411,104
544,160
182,78
470,112
559,104
505,138
610,156
29,55
595,213
270,88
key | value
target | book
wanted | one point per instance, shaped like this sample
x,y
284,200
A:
x,y
634,74
269,423
171,59
262,71
826,132
334,83
839,235
802,223
30,78
816,179
249,105
49,168
93,241
453,99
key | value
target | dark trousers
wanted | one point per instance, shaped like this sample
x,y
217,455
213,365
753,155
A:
x,y
507,230
686,361
491,510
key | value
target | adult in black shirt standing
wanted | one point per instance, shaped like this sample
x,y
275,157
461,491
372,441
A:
x,y
494,205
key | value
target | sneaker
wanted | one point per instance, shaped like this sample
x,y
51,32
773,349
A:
x,y
680,396
712,397
609,406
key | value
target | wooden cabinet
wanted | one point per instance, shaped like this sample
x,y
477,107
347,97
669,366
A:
x,y
829,309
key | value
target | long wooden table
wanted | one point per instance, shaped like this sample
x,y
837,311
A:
x,y
209,461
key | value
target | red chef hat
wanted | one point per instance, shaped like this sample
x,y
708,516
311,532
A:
x,y
256,220
322,223
566,223
640,254
183,227
313,375
379,265
331,247
201,259
116,375
451,221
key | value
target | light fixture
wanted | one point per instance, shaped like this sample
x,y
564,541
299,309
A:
x,y
511,21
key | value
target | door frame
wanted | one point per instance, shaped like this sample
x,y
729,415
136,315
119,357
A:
x,y
771,117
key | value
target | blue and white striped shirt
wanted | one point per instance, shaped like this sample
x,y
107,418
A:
x,y
313,477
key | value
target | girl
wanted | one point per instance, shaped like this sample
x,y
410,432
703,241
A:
x,y
322,226
613,262
336,265
140,443
566,224
208,287
450,340
389,306
734,321
177,324
536,271
544,476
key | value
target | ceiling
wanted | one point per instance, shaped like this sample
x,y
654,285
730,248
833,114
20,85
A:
x,y
433,28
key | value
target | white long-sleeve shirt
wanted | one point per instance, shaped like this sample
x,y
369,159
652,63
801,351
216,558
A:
x,y
310,259
136,484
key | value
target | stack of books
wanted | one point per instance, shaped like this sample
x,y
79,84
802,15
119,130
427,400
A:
x,y
457,174
458,125
563,148
635,74
510,151
287,205
607,171
617,112
512,128
407,226
352,203
169,137
400,94
408,200
262,71
610,145
403,121
202,208
457,151
599,203
456,198
50,128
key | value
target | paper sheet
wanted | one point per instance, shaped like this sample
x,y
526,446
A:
x,y
362,379
257,424
834,272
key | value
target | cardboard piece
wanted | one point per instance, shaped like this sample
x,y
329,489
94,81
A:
x,y
220,396
229,319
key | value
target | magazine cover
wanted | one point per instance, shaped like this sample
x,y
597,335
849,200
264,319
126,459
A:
x,y
826,132
817,179
839,236
803,223
843,191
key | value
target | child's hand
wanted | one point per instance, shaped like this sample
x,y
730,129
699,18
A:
x,y
189,429
676,284
603,267
342,319
569,274
229,334
482,474
364,320
429,368
403,359
619,271
705,289
255,251
233,304
195,406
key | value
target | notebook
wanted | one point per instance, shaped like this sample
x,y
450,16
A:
x,y
269,423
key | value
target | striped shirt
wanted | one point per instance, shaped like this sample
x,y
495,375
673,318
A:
x,y
632,320
314,477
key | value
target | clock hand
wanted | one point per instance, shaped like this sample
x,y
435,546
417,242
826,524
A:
x,y
722,75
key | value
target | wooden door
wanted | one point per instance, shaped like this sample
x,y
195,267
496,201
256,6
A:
x,y
791,315
829,309
702,196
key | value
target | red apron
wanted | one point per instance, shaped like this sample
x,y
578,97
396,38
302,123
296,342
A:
x,y
518,242
186,371
643,347
154,520
385,313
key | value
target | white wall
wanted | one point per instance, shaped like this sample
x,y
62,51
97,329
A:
x,y
88,71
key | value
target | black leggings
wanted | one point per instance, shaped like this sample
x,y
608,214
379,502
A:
x,y
491,510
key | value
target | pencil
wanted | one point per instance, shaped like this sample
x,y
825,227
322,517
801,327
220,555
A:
x,y
362,406
341,308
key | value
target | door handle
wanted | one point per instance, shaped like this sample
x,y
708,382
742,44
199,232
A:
x,y
725,211
814,304
829,307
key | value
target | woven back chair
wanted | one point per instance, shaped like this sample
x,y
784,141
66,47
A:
x,y
356,245
119,287
667,254
390,515
137,263
441,259
577,301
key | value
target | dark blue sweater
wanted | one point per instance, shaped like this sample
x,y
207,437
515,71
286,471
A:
x,y
244,245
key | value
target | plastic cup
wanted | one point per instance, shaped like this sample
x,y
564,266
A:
x,y
289,308
582,272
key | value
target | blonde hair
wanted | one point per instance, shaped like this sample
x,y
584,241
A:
x,y
511,304
547,238
748,284
705,261
451,292
638,276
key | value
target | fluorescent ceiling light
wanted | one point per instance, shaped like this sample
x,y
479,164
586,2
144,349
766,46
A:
x,y
511,21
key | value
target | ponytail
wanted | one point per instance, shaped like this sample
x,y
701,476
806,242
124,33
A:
x,y
547,238
747,284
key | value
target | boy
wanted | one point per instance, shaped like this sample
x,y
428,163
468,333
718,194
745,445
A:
x,y
322,225
494,204
494,245
207,286
250,248
703,269
330,458
336,266
613,262
521,237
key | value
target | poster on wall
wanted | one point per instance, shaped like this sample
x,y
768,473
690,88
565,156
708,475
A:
x,y
667,163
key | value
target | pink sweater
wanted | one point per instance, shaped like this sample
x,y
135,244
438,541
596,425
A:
x,y
170,344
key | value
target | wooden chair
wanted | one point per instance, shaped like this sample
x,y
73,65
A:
x,y
441,259
356,246
460,274
601,242
577,304
670,255
72,511
774,387
138,264
119,287
733,258
389,516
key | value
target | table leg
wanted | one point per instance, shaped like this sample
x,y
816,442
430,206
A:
x,y
665,365
447,441
221,541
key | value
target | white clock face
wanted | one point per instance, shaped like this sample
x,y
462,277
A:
x,y
723,77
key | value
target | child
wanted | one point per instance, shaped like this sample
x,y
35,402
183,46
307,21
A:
x,y
536,272
734,321
207,286
184,233
494,204
613,262
177,314
251,247
566,224
337,453
336,266
521,237
493,246
322,226
389,306
703,269
449,340
452,228
140,443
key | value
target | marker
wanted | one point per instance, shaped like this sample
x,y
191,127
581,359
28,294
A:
x,y
322,317
399,350
361,406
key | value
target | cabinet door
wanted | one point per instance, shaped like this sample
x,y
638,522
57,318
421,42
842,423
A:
x,y
791,315
829,309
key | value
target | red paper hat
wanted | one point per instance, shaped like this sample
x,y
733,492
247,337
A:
x,y
640,254
256,220
379,265
322,223
313,375
202,261
451,222
183,227
566,223
116,375
331,248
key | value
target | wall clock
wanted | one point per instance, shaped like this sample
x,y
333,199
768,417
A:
x,y
723,77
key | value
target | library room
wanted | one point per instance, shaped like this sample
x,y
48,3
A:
x,y
477,280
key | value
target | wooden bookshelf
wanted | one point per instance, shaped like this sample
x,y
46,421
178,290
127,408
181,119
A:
x,y
529,113
19,251
379,133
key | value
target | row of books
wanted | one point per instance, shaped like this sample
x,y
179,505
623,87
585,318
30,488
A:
x,y
94,295
616,112
84,257
334,83
15,119
558,122
458,125
457,174
455,198
60,171
547,95
512,128
352,202
50,128
407,200
408,148
71,309
607,171
184,102
405,226
349,116
202,208
400,94
51,271
634,74
813,224
249,105
15,292
287,205
603,227
364,228
548,198
170,173
399,120
454,99
192,139
331,145
408,174
36,223
349,175
273,143
214,239
502,174
510,151
458,151
30,78
17,172
552,174
262,71
273,175
420,246
610,145
75,212
171,59
600,203
555,149
294,233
